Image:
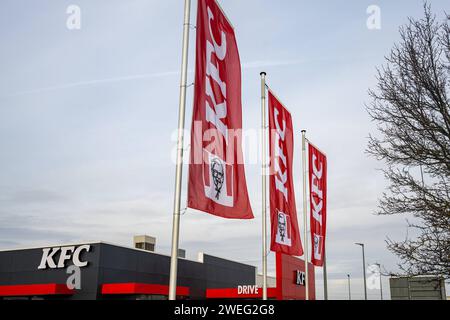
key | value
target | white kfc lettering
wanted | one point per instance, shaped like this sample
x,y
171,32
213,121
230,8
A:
x,y
217,112
220,113
64,256
281,177
47,258
317,172
221,51
76,256
67,254
317,210
315,180
300,278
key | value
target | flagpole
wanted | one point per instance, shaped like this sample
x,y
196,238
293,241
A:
x,y
179,167
264,181
325,276
305,214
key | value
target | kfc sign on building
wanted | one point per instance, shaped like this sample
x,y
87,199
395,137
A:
x,y
56,257
300,278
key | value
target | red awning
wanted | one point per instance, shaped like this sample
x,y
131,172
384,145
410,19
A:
x,y
233,293
35,290
141,288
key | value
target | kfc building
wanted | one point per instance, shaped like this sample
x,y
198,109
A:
x,y
103,271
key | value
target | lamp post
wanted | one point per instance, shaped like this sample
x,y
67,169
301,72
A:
x,y
381,283
349,288
364,269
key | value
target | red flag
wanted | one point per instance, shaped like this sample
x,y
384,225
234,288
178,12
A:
x,y
285,236
217,182
318,195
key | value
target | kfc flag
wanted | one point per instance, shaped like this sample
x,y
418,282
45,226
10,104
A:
x,y
318,194
285,236
216,172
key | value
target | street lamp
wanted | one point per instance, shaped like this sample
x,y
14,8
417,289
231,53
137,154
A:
x,y
381,284
364,269
349,290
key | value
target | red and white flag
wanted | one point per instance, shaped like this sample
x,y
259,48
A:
x,y
318,195
285,235
217,182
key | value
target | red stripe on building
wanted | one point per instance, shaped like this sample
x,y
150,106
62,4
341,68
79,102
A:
x,y
35,290
141,288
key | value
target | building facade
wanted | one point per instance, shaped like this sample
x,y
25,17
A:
x,y
417,288
98,271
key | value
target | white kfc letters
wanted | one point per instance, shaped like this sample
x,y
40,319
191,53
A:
x,y
281,177
316,176
66,253
218,111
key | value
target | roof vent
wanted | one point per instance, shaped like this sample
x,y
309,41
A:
x,y
144,242
182,253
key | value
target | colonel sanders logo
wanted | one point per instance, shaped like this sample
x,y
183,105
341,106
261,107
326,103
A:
x,y
318,241
219,186
217,174
283,229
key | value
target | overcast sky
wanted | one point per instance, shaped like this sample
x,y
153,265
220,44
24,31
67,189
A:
x,y
87,119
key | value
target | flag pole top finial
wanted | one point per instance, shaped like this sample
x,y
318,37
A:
x,y
263,73
303,131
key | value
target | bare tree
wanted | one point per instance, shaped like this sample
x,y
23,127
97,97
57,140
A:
x,y
412,110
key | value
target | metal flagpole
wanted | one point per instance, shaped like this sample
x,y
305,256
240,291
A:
x,y
305,214
364,269
349,288
264,180
325,277
381,286
178,175
381,282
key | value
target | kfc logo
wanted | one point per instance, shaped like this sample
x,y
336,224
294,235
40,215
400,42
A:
x,y
216,115
285,235
317,184
217,183
318,240
284,230
218,188
300,278
70,253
